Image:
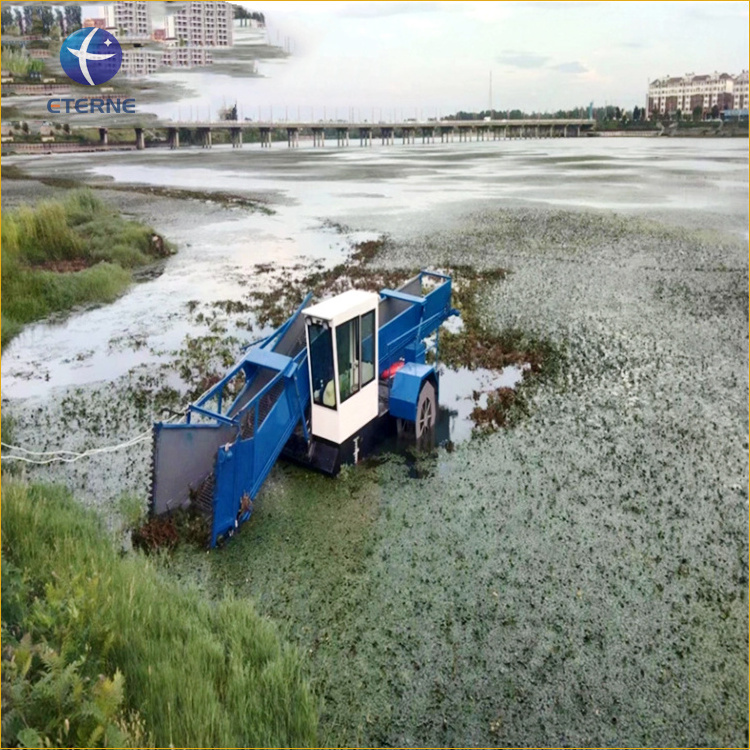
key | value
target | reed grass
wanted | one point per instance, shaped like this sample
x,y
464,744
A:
x,y
197,673
19,63
81,230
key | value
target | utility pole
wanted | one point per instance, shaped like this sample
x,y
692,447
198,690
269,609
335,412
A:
x,y
490,112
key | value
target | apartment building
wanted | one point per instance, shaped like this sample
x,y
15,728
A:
x,y
202,24
669,94
131,18
741,91
144,62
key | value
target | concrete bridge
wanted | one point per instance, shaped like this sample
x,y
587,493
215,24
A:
x,y
388,132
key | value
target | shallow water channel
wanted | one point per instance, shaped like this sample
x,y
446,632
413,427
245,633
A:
x,y
579,578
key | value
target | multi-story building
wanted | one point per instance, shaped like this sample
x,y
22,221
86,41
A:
x,y
691,92
140,61
137,61
203,24
185,40
187,57
98,23
131,18
741,91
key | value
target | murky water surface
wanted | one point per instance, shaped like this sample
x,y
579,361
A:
x,y
579,579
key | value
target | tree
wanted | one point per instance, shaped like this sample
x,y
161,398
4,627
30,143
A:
x,y
47,19
72,18
715,112
678,115
6,19
697,114
636,114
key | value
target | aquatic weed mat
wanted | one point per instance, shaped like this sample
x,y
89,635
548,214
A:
x,y
580,579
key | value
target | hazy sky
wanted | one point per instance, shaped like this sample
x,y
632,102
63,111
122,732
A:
x,y
543,55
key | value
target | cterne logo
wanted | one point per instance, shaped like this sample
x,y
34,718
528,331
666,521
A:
x,y
91,56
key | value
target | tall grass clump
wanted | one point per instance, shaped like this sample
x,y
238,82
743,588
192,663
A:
x,y
160,663
19,62
60,254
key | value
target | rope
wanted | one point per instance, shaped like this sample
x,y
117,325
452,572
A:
x,y
69,457
41,458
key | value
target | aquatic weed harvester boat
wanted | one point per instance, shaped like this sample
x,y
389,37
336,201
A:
x,y
322,390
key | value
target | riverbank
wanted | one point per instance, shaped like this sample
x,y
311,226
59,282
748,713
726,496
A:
x,y
100,649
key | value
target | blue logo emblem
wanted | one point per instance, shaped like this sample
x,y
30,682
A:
x,y
91,56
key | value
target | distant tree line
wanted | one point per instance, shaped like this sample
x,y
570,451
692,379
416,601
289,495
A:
x,y
40,19
600,114
609,117
243,14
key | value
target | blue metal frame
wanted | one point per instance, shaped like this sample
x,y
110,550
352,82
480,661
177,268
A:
x,y
404,393
401,337
269,417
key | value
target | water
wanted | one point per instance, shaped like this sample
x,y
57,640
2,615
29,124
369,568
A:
x,y
395,189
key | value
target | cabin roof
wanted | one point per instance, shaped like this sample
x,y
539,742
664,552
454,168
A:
x,y
339,305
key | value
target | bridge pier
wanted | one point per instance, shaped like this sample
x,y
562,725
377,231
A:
x,y
386,136
103,136
342,137
428,135
407,135
319,137
235,135
292,137
365,137
140,139
205,134
265,137
173,138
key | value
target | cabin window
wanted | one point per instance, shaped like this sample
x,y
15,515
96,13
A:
x,y
368,348
321,364
347,348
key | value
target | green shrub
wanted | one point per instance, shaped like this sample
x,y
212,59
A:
x,y
195,672
47,702
19,63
